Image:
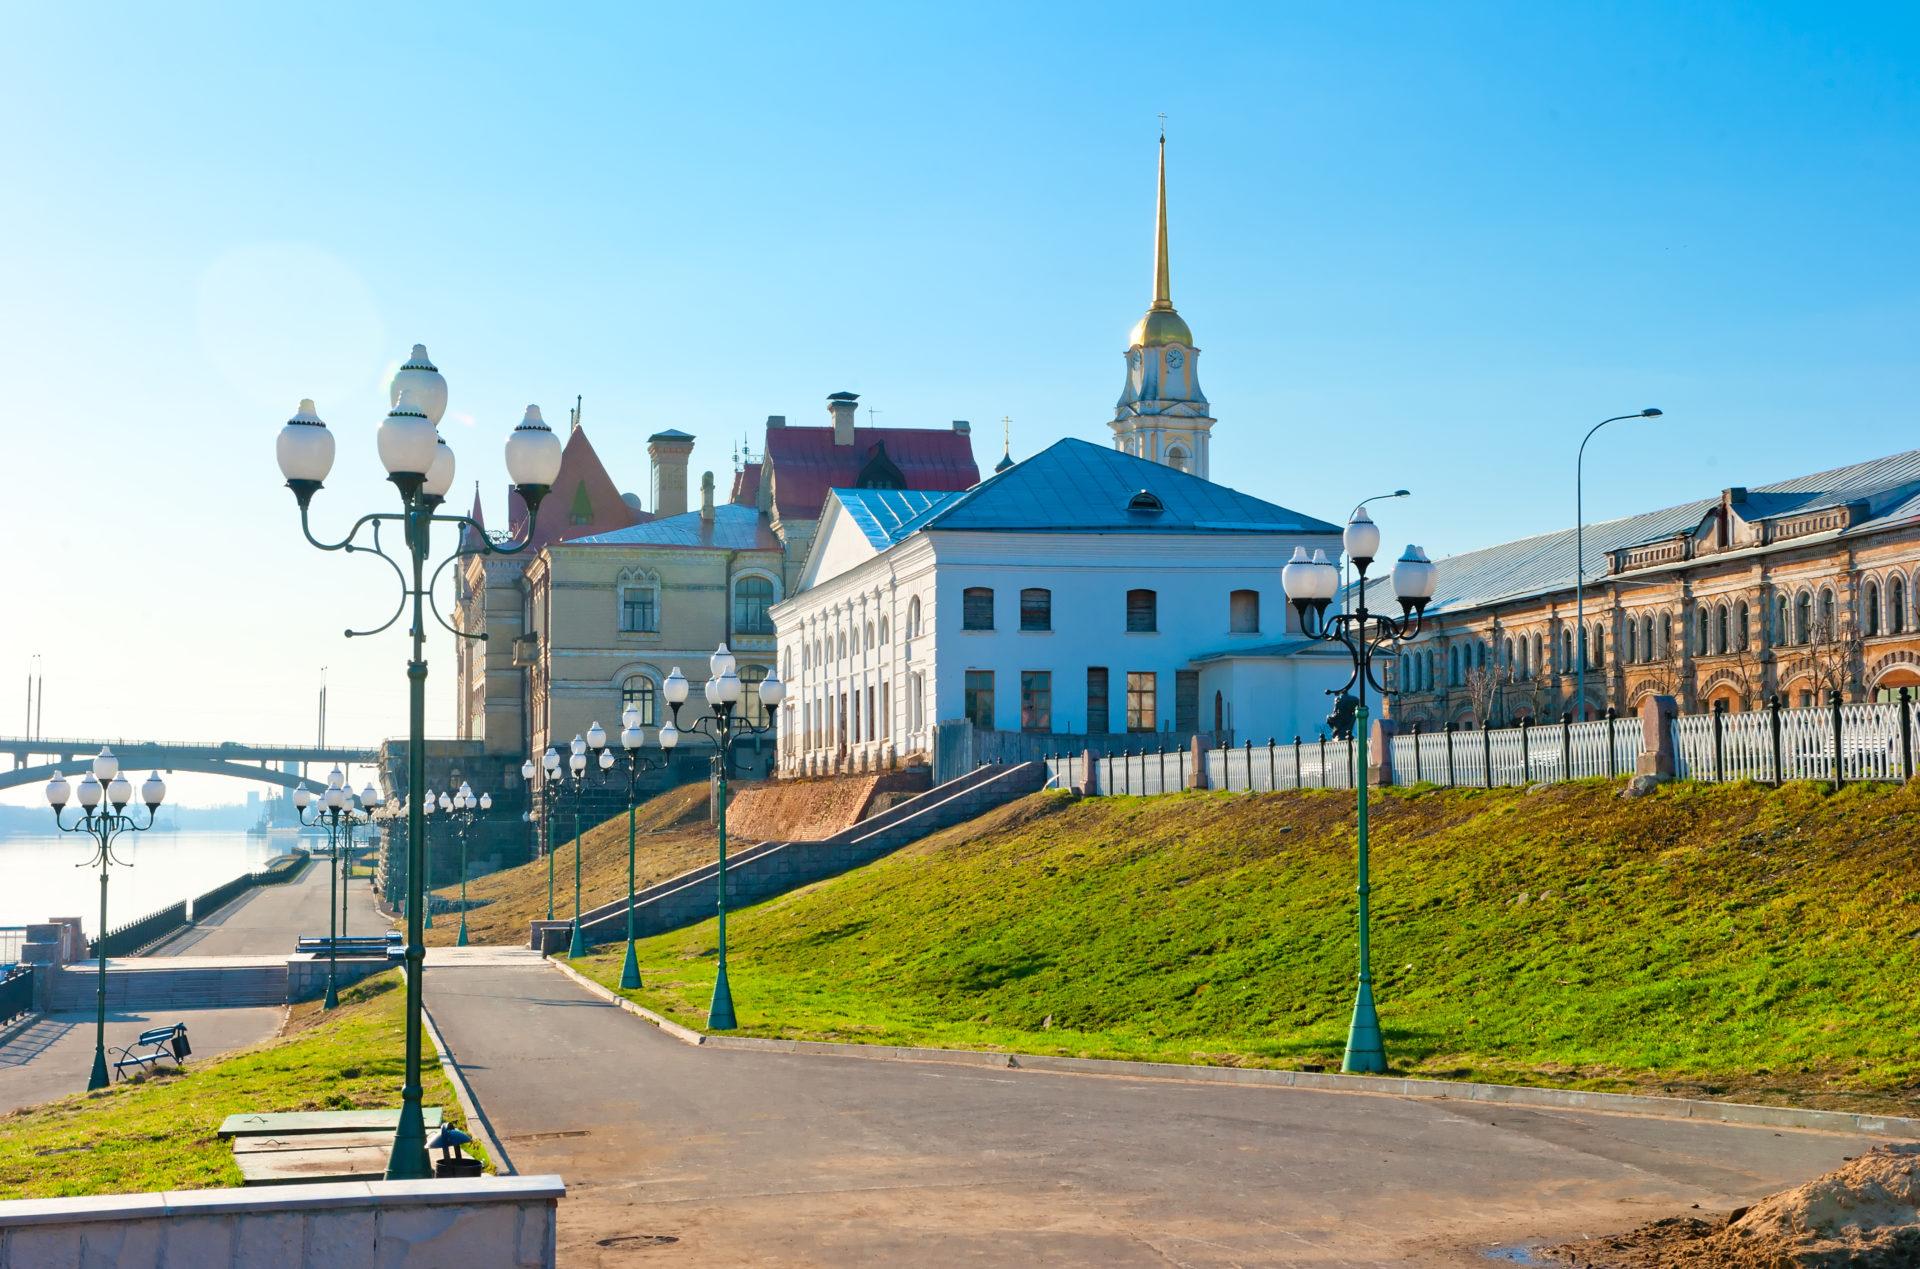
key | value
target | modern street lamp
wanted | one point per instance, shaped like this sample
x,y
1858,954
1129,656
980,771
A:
x,y
633,742
1580,558
420,465
461,808
106,782
1310,584
723,690
336,804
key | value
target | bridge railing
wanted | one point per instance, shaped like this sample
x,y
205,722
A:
x,y
85,744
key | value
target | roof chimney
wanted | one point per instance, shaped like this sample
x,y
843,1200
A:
x,y
706,496
669,451
843,406
776,420
963,427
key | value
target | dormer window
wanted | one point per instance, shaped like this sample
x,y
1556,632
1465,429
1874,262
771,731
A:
x,y
1146,500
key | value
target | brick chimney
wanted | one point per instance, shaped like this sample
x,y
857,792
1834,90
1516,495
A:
x,y
669,451
706,496
843,406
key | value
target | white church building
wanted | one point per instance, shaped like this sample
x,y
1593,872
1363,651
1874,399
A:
x,y
1085,592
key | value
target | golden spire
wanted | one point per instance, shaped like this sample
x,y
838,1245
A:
x,y
1162,289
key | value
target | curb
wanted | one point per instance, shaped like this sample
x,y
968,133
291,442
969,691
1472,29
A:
x,y
469,1105
1737,1113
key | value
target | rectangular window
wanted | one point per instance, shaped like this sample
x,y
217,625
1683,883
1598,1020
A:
x,y
854,735
976,608
980,698
1186,700
873,719
1097,722
1036,700
1036,609
1243,612
886,714
1143,612
638,612
1143,706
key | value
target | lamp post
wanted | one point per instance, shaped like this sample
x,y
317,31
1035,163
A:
x,y
335,803
722,691
1346,574
368,799
433,803
568,780
1580,558
461,808
106,782
544,822
633,743
420,465
1310,584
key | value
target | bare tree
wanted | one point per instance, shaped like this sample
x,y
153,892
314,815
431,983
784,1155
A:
x,y
1488,688
1832,655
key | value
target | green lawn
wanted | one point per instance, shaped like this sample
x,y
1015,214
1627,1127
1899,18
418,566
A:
x,y
160,1133
1730,941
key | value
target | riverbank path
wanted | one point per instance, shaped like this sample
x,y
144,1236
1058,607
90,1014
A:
x,y
267,920
733,1157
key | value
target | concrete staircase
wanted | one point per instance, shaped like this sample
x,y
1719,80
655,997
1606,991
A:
x,y
768,869
167,983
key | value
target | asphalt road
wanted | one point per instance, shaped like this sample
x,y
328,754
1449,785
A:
x,y
716,1157
268,919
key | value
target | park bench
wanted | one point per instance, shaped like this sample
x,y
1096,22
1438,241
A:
x,y
388,944
153,1046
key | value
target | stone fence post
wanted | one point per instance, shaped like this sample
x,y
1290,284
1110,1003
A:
x,y
1089,774
1656,737
1380,751
1197,772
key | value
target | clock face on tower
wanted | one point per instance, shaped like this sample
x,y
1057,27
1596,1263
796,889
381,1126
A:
x,y
1174,359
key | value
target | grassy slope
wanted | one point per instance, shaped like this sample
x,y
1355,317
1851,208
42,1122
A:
x,y
160,1133
1719,941
673,836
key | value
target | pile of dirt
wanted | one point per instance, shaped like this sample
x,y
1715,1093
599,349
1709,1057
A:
x,y
1864,1213
802,810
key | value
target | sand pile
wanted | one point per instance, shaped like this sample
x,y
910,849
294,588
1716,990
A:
x,y
1864,1213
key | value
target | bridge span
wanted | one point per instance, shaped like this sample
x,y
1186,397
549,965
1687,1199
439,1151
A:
x,y
35,759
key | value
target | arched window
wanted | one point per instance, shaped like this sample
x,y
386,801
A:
x,y
885,632
1143,612
913,618
976,608
1802,617
1597,646
1177,457
752,598
1827,628
840,647
1897,606
1566,649
869,643
1630,653
1722,629
1741,624
639,603
752,708
1539,661
1699,632
1666,635
1243,612
1506,653
638,691
1453,665
1870,609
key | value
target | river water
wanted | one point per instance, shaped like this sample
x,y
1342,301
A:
x,y
39,876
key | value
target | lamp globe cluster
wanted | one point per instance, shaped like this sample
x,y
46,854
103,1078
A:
x,y
417,458
104,782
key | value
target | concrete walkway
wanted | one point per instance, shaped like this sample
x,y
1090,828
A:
x,y
267,919
50,1055
741,1157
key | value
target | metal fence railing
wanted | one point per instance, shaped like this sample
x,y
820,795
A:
x,y
1867,740
282,869
134,935
16,993
12,938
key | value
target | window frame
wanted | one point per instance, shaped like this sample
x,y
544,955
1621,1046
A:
x,y
971,598
1043,605
1147,610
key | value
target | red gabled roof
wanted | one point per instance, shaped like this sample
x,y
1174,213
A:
x,y
746,486
582,482
805,463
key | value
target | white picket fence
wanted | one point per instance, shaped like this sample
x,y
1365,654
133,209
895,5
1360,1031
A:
x,y
1871,746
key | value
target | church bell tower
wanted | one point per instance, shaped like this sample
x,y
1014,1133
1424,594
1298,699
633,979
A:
x,y
1162,415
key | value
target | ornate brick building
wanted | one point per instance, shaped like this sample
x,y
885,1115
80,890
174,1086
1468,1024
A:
x,y
1802,587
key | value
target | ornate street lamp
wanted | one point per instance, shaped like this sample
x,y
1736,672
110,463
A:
x,y
460,807
368,799
420,465
575,785
722,691
102,787
542,824
633,742
1311,585
335,810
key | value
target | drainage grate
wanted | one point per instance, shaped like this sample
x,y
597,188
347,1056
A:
x,y
638,1240
546,1136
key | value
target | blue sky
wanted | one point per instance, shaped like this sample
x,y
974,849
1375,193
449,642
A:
x,y
1418,245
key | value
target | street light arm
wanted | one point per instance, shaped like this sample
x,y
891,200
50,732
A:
x,y
433,600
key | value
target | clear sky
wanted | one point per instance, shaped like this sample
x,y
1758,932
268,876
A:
x,y
1420,245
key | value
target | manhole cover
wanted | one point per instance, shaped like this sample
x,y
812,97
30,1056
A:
x,y
638,1240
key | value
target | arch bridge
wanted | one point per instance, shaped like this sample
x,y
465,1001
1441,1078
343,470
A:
x,y
35,760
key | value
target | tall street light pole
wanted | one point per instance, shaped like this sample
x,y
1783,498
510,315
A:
x,y
420,465
633,741
1580,559
543,823
335,801
1346,573
723,693
1310,584
102,826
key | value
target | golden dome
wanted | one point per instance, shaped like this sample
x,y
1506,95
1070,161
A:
x,y
1160,326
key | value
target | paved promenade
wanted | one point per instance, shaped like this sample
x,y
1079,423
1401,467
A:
x,y
745,1158
267,919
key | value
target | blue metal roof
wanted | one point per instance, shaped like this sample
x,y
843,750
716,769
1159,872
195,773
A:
x,y
888,515
1890,488
1074,486
733,528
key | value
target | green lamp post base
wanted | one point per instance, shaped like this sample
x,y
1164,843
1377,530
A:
x,y
630,972
578,947
462,940
426,917
332,1000
1366,1055
720,1012
408,1160
99,1077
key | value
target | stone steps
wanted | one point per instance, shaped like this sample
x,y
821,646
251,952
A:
x,y
213,987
